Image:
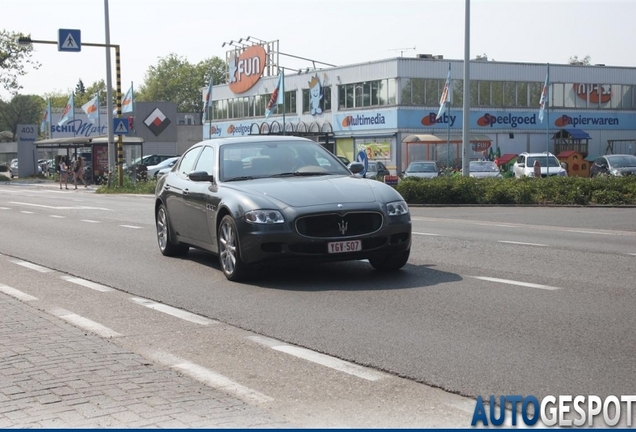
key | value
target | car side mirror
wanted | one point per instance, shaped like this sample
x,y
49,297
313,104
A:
x,y
521,165
356,167
201,176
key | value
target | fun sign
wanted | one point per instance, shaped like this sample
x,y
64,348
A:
x,y
246,68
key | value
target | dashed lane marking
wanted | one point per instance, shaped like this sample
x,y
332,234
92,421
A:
x,y
26,212
184,315
32,266
521,243
321,359
90,221
511,282
5,208
209,377
586,232
131,226
58,216
424,234
16,293
85,323
87,284
60,207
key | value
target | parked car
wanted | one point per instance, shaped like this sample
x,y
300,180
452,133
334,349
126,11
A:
x,y
549,164
154,169
281,207
483,169
145,161
421,169
344,160
376,170
13,168
614,165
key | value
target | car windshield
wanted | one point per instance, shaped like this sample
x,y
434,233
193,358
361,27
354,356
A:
x,y
421,167
622,161
247,161
553,162
483,167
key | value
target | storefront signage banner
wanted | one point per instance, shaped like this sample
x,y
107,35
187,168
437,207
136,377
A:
x,y
80,126
237,128
522,120
365,120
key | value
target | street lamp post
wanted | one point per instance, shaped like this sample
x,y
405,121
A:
x,y
24,40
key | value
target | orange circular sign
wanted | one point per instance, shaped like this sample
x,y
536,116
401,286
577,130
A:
x,y
247,68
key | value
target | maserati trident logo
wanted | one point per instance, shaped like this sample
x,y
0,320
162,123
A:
x,y
342,227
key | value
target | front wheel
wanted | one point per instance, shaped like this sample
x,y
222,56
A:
x,y
164,235
233,267
390,262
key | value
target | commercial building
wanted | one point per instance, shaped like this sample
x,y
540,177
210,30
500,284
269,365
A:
x,y
388,108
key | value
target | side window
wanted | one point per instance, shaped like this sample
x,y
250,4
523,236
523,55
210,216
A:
x,y
206,161
187,162
521,159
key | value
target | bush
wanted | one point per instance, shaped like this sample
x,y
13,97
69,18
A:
x,y
544,191
128,186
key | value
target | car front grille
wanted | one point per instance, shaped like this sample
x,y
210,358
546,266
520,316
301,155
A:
x,y
336,225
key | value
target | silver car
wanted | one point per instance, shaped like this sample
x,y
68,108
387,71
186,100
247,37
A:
x,y
484,169
422,169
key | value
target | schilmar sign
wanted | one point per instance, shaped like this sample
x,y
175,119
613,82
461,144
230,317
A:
x,y
246,68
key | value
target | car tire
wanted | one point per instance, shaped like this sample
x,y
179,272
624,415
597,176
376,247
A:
x,y
390,262
230,260
167,245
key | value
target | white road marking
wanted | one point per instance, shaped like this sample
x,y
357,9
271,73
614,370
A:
x,y
32,266
207,376
131,226
5,208
496,225
511,282
221,382
58,216
521,243
85,323
16,293
424,234
87,284
586,232
26,212
184,315
633,254
62,207
321,359
90,221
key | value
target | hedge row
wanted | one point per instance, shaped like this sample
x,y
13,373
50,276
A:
x,y
544,191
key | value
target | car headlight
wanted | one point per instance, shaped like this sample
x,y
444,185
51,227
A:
x,y
616,172
397,208
264,217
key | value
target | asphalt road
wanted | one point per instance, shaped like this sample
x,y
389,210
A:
x,y
494,300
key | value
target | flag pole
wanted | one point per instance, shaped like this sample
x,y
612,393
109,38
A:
x,y
547,123
448,102
282,85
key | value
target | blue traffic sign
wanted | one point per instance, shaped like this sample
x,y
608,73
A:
x,y
120,126
69,40
362,158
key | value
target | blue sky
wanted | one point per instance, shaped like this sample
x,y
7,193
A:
x,y
338,32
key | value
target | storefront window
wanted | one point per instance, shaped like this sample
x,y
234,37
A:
x,y
627,97
556,91
474,93
326,98
290,102
484,93
458,92
522,94
260,102
535,93
509,94
391,91
431,92
496,93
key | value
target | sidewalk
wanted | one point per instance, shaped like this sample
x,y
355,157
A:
x,y
55,375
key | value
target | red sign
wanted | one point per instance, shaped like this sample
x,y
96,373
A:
x,y
597,92
247,68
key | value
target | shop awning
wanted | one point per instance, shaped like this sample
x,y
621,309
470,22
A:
x,y
506,158
572,133
442,138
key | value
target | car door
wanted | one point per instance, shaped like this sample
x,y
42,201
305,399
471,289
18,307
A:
x,y
383,170
196,200
177,187
519,166
600,166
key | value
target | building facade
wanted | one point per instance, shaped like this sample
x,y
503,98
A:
x,y
388,109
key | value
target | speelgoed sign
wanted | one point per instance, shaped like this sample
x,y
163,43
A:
x,y
246,68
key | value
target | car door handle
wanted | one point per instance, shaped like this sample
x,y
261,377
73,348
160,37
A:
x,y
185,191
166,187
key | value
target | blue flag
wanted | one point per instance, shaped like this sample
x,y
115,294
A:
x,y
278,95
207,98
445,94
544,98
69,110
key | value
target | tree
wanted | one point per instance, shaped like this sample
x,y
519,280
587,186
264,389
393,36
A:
x,y
13,60
22,109
176,80
79,88
586,61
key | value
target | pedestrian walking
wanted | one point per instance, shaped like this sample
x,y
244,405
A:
x,y
63,172
78,171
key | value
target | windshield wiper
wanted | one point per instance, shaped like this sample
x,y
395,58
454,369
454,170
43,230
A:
x,y
300,174
239,178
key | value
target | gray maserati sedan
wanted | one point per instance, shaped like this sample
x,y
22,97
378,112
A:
x,y
278,199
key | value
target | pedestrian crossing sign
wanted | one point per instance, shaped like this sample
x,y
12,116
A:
x,y
120,126
69,40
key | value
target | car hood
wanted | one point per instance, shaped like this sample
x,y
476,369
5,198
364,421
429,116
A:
x,y
421,174
310,191
484,174
626,170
